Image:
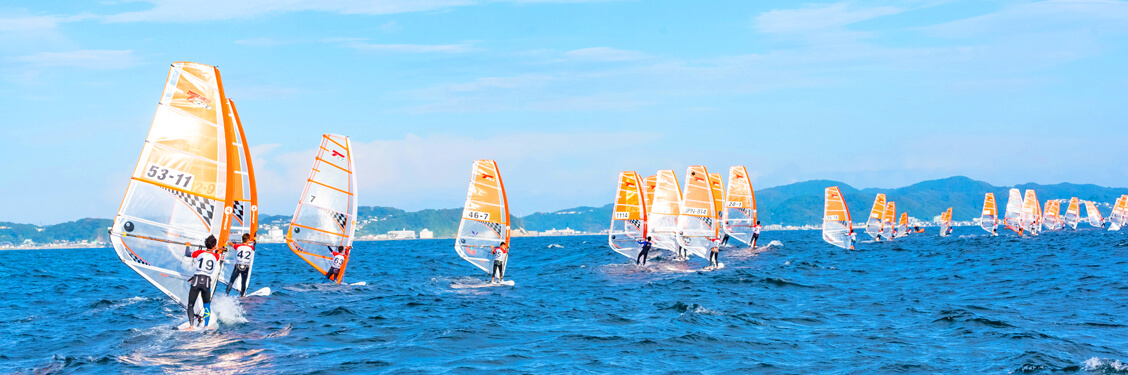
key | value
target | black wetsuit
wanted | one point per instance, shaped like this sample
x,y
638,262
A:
x,y
725,240
199,285
642,253
240,270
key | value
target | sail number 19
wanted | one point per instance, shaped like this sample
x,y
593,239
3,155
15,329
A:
x,y
169,176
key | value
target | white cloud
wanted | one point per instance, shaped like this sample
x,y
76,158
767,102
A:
x,y
1094,16
817,19
90,59
410,48
604,54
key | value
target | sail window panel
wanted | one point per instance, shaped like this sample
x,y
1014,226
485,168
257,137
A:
x,y
181,171
326,221
331,176
316,253
189,213
328,198
185,133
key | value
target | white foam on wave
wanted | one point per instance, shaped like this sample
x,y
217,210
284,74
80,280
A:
x,y
775,243
228,310
1102,364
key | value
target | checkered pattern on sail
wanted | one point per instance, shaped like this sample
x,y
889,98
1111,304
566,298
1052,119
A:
x,y
238,208
136,259
497,227
341,219
708,221
203,206
636,223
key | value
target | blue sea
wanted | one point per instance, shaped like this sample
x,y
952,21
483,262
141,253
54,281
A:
x,y
965,304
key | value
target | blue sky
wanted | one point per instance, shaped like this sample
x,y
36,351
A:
x,y
565,94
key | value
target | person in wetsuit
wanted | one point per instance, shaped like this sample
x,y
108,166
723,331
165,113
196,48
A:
x,y
501,254
205,261
244,256
756,233
339,256
713,263
642,254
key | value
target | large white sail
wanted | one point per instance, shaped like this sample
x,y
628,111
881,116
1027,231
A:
x,y
837,225
1013,217
740,206
485,217
244,218
989,218
874,225
1051,217
662,220
697,224
1093,215
1119,216
1072,213
1031,213
325,218
179,192
628,218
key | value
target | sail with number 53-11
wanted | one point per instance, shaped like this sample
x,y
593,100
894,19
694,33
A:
x,y
180,191
837,225
697,224
989,218
740,206
945,222
662,220
874,223
485,217
325,219
628,218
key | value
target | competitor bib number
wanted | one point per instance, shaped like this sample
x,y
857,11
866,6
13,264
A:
x,y
169,176
622,215
475,215
337,262
733,204
206,265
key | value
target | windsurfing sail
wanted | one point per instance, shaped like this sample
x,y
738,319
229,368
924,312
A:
x,y
662,221
889,222
1072,213
179,192
718,186
1013,217
945,222
874,225
1031,212
628,218
989,218
244,215
740,205
837,225
1119,215
1051,217
904,231
650,182
325,219
1093,215
697,224
485,217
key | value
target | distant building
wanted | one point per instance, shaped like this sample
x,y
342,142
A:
x,y
426,233
275,234
559,232
403,234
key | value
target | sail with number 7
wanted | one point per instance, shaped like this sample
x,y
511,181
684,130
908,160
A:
x,y
837,225
180,190
485,217
325,219
628,217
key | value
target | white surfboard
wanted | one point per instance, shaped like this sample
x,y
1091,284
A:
x,y
188,327
710,268
260,293
359,283
482,285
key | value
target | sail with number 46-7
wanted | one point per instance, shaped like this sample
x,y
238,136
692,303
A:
x,y
837,225
325,219
740,206
180,190
485,217
628,217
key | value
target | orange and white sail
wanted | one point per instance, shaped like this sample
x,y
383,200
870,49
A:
x,y
697,224
740,205
650,183
837,225
485,216
662,220
717,183
325,219
181,189
989,217
1093,215
889,221
1051,217
1013,216
1031,212
945,222
628,217
874,223
904,224
1072,213
244,216
1119,215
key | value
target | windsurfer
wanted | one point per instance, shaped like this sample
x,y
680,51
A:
x,y
339,256
642,254
244,255
714,252
853,238
500,253
205,260
756,233
725,240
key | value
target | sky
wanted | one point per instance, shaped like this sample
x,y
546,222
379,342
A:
x,y
565,94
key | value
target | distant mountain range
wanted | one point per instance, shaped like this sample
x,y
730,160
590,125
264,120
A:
x,y
793,204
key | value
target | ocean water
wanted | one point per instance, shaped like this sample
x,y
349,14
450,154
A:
x,y
967,304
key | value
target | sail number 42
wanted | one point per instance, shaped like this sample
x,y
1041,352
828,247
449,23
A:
x,y
169,176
